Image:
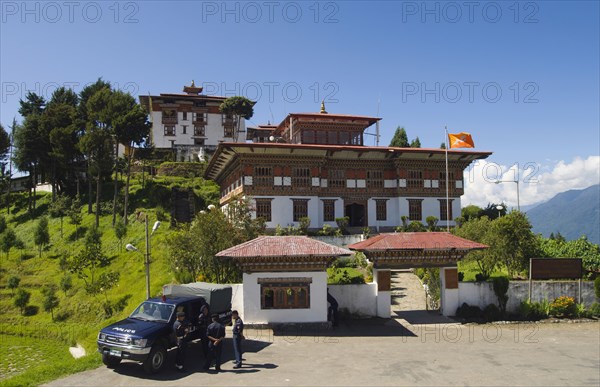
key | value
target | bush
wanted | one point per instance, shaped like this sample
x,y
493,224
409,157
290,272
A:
x,y
533,311
327,230
563,306
461,276
345,276
469,312
594,310
492,313
500,285
480,277
597,287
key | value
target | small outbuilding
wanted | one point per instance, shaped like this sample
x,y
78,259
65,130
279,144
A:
x,y
284,278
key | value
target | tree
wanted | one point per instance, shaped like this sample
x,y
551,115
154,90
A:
x,y
492,211
400,138
416,143
131,128
471,212
237,107
66,283
120,232
512,241
476,229
4,149
41,235
33,104
60,208
50,300
443,145
87,262
13,283
28,151
3,224
75,215
22,299
580,248
8,240
85,117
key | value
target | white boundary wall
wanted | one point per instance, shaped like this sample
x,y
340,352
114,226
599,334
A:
x,y
360,300
481,294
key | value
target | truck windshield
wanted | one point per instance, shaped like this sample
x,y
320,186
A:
x,y
153,311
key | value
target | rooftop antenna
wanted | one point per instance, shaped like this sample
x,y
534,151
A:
x,y
377,123
271,111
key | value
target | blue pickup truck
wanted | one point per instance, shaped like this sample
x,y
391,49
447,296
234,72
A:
x,y
147,334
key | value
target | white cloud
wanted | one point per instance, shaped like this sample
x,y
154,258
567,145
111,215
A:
x,y
537,182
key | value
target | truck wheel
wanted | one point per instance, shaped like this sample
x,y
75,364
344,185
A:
x,y
156,359
110,361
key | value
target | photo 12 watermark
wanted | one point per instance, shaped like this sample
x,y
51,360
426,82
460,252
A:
x,y
52,12
272,91
19,90
470,92
270,12
471,12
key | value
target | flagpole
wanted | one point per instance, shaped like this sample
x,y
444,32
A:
x,y
447,198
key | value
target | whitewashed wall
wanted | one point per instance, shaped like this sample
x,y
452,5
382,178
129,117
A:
x,y
318,300
482,293
237,299
360,300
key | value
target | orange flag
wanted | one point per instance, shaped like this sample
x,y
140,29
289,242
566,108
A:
x,y
461,140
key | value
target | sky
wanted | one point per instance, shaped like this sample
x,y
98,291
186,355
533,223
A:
x,y
522,77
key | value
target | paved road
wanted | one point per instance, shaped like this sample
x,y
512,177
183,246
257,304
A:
x,y
383,352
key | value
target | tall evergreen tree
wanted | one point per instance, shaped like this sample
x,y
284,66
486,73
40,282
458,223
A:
x,y
416,143
400,138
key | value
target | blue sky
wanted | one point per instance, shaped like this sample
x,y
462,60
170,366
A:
x,y
522,77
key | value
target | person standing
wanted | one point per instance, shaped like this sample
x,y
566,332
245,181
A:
x,y
215,333
181,329
238,336
204,321
333,309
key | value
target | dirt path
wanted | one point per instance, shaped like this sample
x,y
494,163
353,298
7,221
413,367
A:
x,y
407,292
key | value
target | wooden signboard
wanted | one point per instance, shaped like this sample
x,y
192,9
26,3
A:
x,y
555,268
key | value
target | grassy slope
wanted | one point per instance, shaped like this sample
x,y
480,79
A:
x,y
85,313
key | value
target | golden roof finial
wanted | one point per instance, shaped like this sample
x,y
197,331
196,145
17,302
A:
x,y
193,84
323,111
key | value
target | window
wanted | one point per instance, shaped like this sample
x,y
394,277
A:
x,y
184,117
301,177
300,209
263,177
442,183
227,130
200,118
199,131
415,179
263,209
381,209
443,212
198,141
284,293
169,116
357,138
184,129
169,130
337,178
308,137
414,209
328,210
374,179
344,138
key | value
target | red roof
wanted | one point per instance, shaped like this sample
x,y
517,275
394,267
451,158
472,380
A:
x,y
283,246
416,241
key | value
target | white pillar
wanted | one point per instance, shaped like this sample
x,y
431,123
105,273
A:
x,y
449,298
383,296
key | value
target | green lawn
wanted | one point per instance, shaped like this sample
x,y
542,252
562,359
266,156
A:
x,y
470,269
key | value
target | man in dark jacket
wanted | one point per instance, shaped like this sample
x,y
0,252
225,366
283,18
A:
x,y
238,336
216,334
181,327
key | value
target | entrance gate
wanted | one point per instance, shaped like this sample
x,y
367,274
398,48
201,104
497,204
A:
x,y
416,250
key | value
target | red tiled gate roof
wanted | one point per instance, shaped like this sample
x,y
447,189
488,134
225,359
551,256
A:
x,y
283,246
416,241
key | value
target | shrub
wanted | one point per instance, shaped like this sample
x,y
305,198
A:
x,y
594,310
492,313
533,311
597,287
304,224
500,285
327,230
480,277
469,312
461,276
580,311
563,306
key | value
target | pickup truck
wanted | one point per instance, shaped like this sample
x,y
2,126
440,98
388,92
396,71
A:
x,y
147,334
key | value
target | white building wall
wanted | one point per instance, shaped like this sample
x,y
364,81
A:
x,y
318,300
214,132
359,300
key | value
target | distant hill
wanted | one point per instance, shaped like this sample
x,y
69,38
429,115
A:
x,y
572,213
